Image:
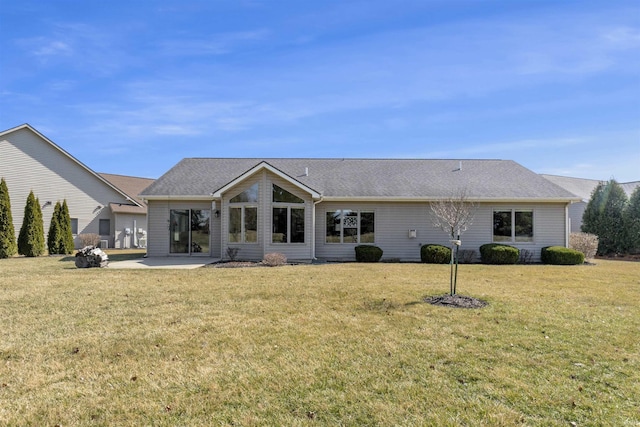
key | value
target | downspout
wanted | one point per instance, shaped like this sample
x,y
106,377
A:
x,y
313,229
567,225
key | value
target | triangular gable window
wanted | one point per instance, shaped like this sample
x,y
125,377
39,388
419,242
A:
x,y
280,195
250,195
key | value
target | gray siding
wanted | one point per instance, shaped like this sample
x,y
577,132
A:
x,y
133,222
394,220
27,162
158,212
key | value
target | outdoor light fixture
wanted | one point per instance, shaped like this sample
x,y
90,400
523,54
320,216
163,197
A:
x,y
216,214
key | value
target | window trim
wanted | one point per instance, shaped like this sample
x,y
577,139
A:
x,y
103,221
513,239
289,206
243,230
358,213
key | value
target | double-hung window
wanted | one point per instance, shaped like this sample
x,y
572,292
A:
x,y
288,216
513,226
243,216
350,226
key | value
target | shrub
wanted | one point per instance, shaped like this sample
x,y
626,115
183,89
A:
x,y
496,253
8,245
31,236
232,253
274,259
559,255
526,256
585,243
89,239
368,253
466,256
435,254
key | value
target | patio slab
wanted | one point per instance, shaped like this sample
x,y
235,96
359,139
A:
x,y
163,262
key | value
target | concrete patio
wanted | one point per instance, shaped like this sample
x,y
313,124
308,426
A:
x,y
163,262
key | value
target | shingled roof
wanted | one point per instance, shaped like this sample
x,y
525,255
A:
x,y
370,179
584,187
131,186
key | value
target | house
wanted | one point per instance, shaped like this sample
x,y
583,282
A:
x,y
101,204
583,188
312,209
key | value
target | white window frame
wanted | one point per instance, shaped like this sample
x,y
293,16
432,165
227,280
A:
x,y
359,226
513,237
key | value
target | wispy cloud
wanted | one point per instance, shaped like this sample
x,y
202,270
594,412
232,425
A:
x,y
215,44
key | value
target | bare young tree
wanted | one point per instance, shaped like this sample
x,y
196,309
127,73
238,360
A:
x,y
454,216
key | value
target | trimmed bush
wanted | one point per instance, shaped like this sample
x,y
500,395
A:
x,y
559,255
368,253
496,253
435,254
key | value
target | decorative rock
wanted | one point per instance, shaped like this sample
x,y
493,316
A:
x,y
91,256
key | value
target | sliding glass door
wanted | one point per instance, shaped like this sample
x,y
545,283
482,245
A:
x,y
189,231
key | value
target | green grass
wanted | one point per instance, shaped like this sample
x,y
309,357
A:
x,y
337,344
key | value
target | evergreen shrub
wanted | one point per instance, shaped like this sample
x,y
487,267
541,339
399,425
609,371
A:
x,y
435,254
559,255
8,245
368,253
497,253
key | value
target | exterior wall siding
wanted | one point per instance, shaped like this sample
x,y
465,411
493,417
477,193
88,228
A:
x,y
27,162
394,220
133,222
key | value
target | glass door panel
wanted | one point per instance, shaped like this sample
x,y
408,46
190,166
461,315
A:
x,y
179,231
200,219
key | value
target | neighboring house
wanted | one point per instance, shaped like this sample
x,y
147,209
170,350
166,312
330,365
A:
x,y
322,208
583,188
129,220
106,205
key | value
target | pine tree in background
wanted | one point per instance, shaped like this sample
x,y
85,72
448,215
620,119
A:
x,y
31,237
632,222
604,217
54,237
67,243
7,231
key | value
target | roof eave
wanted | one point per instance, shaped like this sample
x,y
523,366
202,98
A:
x,y
434,199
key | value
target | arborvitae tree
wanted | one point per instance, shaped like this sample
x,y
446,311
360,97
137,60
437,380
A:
x,y
604,217
7,231
632,222
66,233
31,237
54,239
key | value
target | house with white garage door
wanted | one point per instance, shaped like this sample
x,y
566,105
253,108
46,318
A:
x,y
311,209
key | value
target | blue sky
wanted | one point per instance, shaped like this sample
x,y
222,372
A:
x,y
131,87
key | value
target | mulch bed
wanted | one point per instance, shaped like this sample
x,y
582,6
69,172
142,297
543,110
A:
x,y
235,264
456,301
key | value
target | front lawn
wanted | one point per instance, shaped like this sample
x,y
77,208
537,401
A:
x,y
336,344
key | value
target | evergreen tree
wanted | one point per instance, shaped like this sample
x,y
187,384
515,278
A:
x,y
604,217
31,237
54,235
632,222
8,245
68,244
